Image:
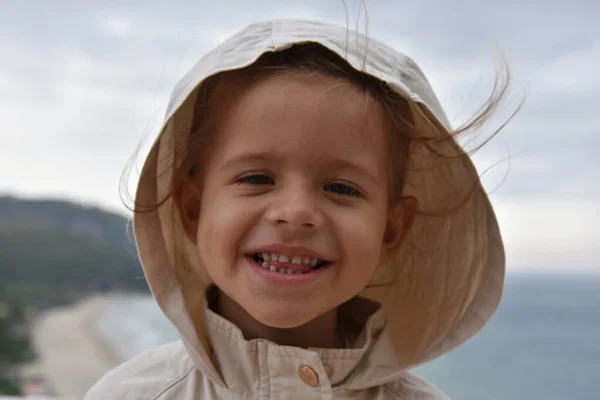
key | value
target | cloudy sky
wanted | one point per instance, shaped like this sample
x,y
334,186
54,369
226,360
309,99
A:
x,y
83,83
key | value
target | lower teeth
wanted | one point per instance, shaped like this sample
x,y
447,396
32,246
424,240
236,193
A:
x,y
285,271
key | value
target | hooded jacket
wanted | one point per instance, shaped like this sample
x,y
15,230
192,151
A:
x,y
448,288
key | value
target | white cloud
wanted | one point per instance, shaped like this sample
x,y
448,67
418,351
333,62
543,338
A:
x,y
116,26
75,140
546,234
577,71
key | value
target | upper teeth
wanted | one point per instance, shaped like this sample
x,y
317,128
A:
x,y
306,260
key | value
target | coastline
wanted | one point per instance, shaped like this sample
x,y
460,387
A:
x,y
105,347
72,355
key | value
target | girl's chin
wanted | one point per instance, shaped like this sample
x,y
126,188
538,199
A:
x,y
284,319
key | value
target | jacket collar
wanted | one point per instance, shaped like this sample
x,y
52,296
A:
x,y
369,359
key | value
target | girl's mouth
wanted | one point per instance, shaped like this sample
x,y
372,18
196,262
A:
x,y
282,264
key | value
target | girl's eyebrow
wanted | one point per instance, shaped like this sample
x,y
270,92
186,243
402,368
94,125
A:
x,y
340,164
247,157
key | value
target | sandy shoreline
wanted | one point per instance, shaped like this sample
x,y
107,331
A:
x,y
72,356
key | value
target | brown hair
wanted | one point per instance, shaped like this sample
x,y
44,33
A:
x,y
312,58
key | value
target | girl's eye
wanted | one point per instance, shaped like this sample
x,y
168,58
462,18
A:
x,y
256,179
342,189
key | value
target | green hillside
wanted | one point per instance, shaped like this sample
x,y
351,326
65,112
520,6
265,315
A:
x,y
61,244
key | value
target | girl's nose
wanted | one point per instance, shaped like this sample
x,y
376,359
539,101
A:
x,y
296,210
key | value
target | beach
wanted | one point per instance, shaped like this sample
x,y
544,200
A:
x,y
72,356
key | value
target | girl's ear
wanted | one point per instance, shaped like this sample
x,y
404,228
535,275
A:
x,y
188,204
400,221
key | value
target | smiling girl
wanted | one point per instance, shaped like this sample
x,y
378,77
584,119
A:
x,y
309,224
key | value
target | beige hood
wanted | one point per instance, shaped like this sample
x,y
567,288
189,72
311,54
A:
x,y
442,287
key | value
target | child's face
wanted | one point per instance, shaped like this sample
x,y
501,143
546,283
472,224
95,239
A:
x,y
298,170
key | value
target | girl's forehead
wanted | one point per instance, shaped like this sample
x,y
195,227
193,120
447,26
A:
x,y
304,109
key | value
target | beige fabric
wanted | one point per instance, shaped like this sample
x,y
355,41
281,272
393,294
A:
x,y
259,369
439,291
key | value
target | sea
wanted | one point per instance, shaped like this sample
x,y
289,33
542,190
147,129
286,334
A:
x,y
542,344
